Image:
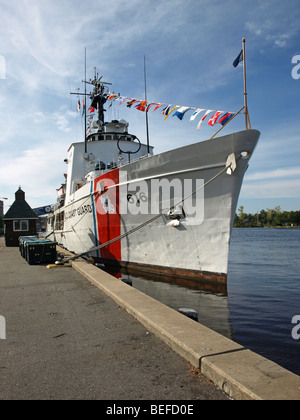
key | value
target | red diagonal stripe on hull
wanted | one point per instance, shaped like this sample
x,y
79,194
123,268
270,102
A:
x,y
107,215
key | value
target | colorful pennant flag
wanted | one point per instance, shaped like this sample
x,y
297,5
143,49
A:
x,y
124,100
225,118
181,111
158,106
214,118
152,104
130,103
142,106
166,110
203,118
170,111
113,96
196,113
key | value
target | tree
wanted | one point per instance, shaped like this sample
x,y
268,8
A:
x,y
263,218
241,214
269,217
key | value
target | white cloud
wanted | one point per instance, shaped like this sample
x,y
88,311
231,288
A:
x,y
282,40
63,120
278,189
276,173
63,124
38,170
285,184
254,28
276,27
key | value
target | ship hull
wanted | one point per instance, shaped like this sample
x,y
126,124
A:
x,y
185,193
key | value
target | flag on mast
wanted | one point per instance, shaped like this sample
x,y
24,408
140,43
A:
x,y
238,59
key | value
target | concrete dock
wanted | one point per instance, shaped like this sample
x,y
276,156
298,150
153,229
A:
x,y
67,339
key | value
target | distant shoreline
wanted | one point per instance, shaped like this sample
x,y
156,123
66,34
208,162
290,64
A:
x,y
266,227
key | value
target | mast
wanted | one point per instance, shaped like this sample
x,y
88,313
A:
x,y
85,94
146,112
85,137
240,57
98,100
247,118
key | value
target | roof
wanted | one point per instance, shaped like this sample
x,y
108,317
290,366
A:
x,y
20,209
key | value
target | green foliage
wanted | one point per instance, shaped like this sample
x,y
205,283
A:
x,y
267,218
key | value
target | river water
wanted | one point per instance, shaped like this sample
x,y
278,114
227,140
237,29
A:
x,y
264,292
262,296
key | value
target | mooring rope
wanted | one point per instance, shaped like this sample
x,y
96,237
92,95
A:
x,y
157,216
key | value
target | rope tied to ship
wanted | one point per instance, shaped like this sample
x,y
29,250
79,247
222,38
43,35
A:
x,y
230,165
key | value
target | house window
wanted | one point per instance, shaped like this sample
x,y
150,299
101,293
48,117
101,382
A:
x,y
21,226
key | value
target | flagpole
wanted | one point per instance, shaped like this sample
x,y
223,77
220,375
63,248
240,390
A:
x,y
85,139
247,119
146,112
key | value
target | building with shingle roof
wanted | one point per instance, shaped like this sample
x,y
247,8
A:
x,y
20,220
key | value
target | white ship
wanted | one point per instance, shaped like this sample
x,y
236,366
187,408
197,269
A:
x,y
169,214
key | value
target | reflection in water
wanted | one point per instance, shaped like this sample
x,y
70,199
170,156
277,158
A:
x,y
210,301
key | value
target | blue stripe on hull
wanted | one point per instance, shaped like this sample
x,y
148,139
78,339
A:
x,y
94,219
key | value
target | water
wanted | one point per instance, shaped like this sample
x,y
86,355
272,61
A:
x,y
264,292
262,296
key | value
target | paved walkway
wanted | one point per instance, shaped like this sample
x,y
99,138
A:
x,y
67,340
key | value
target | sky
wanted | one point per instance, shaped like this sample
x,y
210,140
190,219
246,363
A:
x,y
189,46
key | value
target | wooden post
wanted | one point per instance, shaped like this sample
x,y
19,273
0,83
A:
x,y
237,113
